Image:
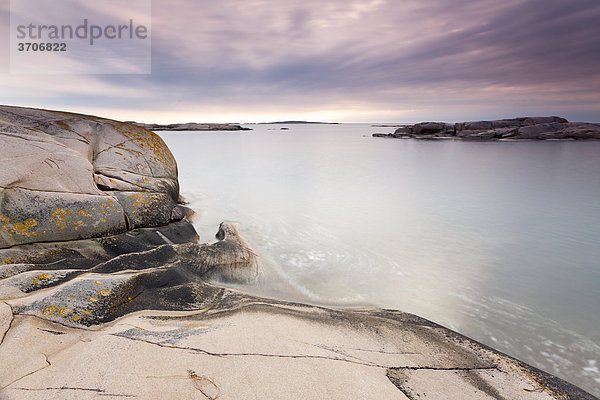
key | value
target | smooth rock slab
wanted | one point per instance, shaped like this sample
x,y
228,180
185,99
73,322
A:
x,y
244,347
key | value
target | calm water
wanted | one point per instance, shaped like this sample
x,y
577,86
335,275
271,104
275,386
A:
x,y
499,241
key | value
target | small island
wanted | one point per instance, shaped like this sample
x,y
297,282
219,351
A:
x,y
191,126
522,128
293,122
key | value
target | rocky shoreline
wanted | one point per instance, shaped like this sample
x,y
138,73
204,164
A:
x,y
106,291
191,126
523,128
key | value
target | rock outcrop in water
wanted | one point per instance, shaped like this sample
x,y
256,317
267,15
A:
x,y
109,299
191,126
526,128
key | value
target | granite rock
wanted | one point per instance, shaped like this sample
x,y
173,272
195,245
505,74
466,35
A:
x,y
68,176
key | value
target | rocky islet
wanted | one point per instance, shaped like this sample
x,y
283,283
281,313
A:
x,y
523,128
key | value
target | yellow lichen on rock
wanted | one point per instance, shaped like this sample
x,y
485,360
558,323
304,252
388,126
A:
x,y
81,212
65,311
49,310
40,277
18,228
138,200
61,217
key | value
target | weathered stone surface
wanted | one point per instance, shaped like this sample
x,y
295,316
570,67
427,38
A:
x,y
432,128
231,259
28,216
582,131
231,346
541,131
523,128
544,120
64,176
95,280
403,130
475,126
6,317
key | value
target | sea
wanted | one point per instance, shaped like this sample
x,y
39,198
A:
x,y
499,241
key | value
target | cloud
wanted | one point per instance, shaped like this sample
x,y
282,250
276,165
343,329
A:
x,y
467,58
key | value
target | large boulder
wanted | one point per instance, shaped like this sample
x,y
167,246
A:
x,y
68,176
440,129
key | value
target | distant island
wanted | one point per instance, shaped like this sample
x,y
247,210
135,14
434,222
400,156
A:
x,y
191,126
299,122
522,128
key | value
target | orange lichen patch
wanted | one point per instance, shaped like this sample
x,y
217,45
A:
x,y
61,217
49,310
139,200
98,282
104,292
147,141
75,318
65,311
106,206
18,228
92,299
86,312
81,212
141,181
39,278
78,224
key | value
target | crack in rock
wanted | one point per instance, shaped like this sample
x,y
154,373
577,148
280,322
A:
x,y
223,355
101,392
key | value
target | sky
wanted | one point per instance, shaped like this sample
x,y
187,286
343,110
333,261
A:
x,y
340,61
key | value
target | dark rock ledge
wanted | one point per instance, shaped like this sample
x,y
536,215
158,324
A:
x,y
105,292
525,128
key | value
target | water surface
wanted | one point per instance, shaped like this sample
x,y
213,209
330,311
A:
x,y
497,240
